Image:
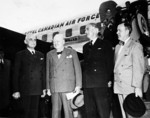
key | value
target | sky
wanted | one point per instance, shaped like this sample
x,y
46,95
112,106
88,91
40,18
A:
x,y
25,15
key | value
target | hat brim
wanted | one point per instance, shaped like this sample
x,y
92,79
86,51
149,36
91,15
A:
x,y
77,101
134,106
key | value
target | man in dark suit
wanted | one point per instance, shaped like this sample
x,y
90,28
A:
x,y
29,78
98,69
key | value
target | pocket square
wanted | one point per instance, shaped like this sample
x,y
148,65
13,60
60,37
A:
x,y
41,58
70,56
99,48
126,54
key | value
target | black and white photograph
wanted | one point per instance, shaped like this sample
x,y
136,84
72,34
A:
x,y
74,58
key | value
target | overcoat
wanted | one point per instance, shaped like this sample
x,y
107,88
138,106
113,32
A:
x,y
129,67
29,73
98,64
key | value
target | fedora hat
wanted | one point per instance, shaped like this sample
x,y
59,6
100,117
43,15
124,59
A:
x,y
77,101
134,106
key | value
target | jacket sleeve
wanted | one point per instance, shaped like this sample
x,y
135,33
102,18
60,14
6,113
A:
x,y
44,73
16,72
109,59
138,66
48,65
77,68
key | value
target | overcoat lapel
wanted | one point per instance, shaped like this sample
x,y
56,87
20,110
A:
x,y
116,53
29,55
62,57
55,57
124,51
57,60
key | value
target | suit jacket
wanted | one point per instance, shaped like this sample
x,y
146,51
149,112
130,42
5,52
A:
x,y
63,73
29,73
146,75
129,67
98,64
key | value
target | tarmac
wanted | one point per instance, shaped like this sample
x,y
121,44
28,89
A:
x,y
146,115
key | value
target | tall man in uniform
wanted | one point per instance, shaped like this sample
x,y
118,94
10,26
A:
x,y
98,70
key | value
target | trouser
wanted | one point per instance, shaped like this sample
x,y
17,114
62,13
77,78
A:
x,y
59,100
97,102
30,106
121,100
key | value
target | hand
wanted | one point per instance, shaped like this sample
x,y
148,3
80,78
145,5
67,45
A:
x,y
1,60
16,95
138,92
109,84
148,68
48,92
77,89
146,33
44,93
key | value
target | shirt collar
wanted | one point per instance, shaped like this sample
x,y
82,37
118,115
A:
x,y
93,41
126,40
31,50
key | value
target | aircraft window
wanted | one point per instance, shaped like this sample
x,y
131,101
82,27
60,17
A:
x,y
55,34
68,32
44,37
82,29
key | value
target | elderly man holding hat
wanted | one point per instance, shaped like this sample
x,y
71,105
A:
x,y
63,75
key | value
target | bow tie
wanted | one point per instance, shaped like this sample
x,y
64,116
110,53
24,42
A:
x,y
121,43
59,52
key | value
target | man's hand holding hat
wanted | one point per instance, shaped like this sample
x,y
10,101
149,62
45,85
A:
x,y
134,106
78,100
138,92
77,89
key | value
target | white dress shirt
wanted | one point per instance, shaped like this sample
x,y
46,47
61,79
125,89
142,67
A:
x,y
123,45
31,50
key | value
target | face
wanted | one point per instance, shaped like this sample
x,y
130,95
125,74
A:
x,y
122,32
31,42
58,41
89,30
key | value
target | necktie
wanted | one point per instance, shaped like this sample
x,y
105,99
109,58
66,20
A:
x,y
32,52
121,43
59,52
91,42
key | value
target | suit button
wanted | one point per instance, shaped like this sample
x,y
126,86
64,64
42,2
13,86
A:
x,y
95,70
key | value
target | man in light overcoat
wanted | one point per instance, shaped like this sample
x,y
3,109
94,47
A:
x,y
129,65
